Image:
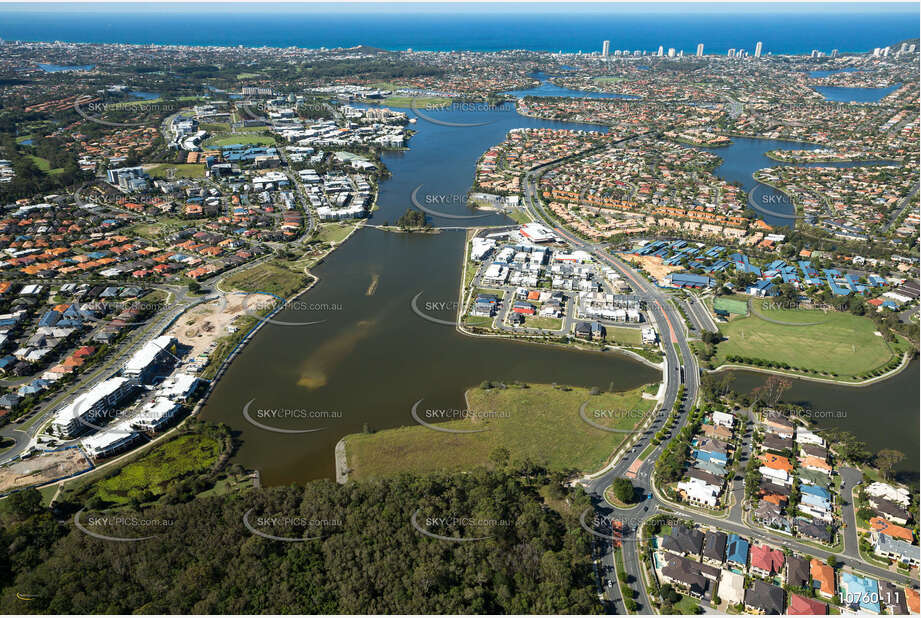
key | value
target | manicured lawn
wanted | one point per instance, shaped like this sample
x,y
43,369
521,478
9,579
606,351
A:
x,y
609,80
478,320
45,165
182,170
538,422
152,230
843,343
163,465
227,140
686,606
647,450
624,336
269,278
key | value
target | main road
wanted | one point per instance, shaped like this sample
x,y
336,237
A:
x,y
670,326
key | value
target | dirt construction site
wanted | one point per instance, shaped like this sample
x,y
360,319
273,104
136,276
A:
x,y
201,326
41,469
655,266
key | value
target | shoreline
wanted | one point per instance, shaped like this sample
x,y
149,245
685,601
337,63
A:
x,y
907,357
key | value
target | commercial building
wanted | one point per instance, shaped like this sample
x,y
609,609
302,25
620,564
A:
x,y
156,415
117,439
146,361
77,417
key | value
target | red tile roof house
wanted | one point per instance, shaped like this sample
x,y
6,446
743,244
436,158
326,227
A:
x,y
801,606
766,561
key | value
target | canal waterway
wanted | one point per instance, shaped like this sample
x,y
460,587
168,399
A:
x,y
884,414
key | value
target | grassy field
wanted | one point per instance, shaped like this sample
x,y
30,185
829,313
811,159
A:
x,y
247,75
153,230
609,80
215,127
843,344
269,278
182,170
624,336
164,464
545,323
421,103
334,232
539,422
44,165
519,216
251,138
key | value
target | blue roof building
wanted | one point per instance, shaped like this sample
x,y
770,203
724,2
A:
x,y
690,280
737,550
859,592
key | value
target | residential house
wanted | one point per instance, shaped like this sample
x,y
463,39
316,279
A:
x,y
766,561
764,598
823,578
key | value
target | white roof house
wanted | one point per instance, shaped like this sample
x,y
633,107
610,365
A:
x,y
780,476
723,419
179,387
69,419
893,494
804,436
732,587
697,490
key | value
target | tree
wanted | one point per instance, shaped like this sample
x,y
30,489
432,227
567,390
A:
x,y
500,456
886,460
194,286
25,503
623,490
832,561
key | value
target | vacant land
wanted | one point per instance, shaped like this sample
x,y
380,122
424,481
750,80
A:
x,y
267,278
179,170
202,326
421,103
41,469
622,335
250,138
150,477
655,266
334,233
539,422
833,342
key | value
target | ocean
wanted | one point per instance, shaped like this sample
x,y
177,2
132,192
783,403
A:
x,y
784,29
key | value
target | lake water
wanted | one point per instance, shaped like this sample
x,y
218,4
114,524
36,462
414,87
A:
x,y
374,357
744,156
58,68
840,94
